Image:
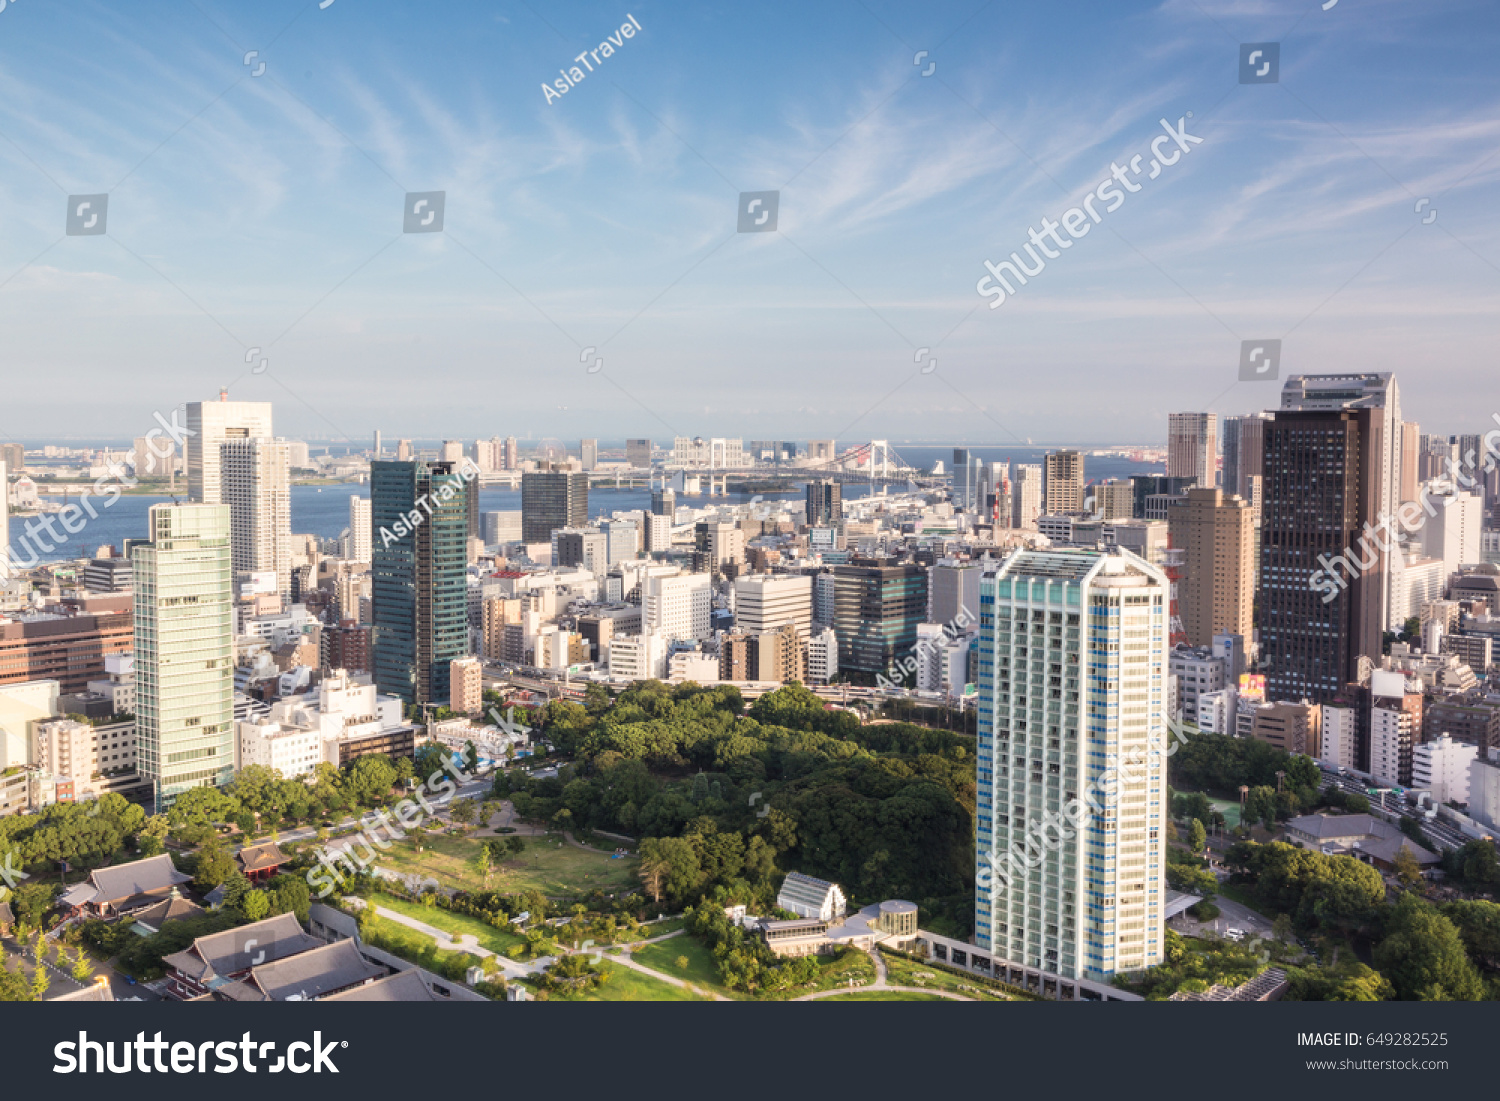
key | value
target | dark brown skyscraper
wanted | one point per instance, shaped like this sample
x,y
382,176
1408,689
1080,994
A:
x,y
1321,576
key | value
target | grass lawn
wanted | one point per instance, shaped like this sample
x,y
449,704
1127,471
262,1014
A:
x,y
456,925
904,972
885,996
625,985
833,972
546,866
410,944
702,970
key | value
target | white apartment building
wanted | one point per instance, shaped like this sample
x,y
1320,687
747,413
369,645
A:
x,y
83,755
209,423
359,549
1441,766
257,487
942,660
1197,671
693,665
638,657
678,606
1340,736
1072,698
822,656
1217,710
1393,730
118,683
763,602
301,731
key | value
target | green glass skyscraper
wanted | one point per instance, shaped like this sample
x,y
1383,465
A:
x,y
419,527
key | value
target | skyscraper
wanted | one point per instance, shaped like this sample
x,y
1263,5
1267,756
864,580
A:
x,y
184,650
1320,590
359,529
510,454
1062,482
1216,595
876,611
1380,445
255,477
638,454
552,498
4,521
419,516
1026,496
588,451
1193,447
825,503
1071,703
208,424
1244,451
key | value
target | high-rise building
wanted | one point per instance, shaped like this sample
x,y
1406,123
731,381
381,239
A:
x,y
964,477
953,586
876,611
404,451
763,602
1411,459
1216,533
1062,482
1026,496
1380,447
1320,589
677,606
256,484
184,650
501,527
510,454
552,498
13,455
825,503
1193,447
359,529
1072,712
638,454
1244,451
419,567
466,685
821,451
1115,500
588,451
452,451
208,424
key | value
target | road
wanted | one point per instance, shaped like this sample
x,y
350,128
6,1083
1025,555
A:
x,y
1394,807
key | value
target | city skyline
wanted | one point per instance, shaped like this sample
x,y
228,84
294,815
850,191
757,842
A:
x,y
255,238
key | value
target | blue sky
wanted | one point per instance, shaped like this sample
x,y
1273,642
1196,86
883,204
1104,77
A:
x,y
265,212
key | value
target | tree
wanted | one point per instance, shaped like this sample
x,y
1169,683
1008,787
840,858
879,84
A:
x,y
151,841
369,779
215,865
464,811
1478,923
256,905
673,867
1423,955
1408,871
1197,836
